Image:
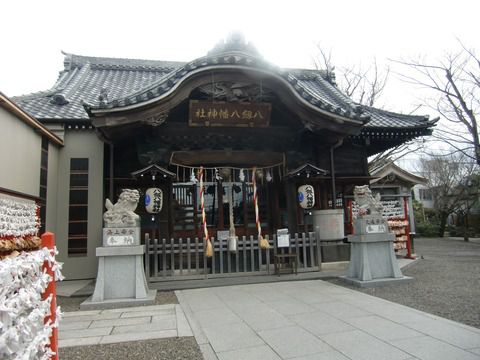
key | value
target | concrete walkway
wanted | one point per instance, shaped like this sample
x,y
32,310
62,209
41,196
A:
x,y
119,325
318,320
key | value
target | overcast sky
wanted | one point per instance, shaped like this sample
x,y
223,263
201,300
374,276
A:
x,y
35,32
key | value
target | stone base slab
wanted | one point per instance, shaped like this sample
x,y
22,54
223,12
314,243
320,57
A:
x,y
121,277
119,303
375,282
373,260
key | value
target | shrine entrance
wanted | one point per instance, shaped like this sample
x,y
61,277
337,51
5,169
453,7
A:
x,y
228,197
233,203
226,204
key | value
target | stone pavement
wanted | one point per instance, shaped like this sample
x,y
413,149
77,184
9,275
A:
x,y
119,325
318,320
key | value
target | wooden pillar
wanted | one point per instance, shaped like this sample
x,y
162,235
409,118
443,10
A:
x,y
111,170
171,214
275,208
324,198
245,208
195,208
220,214
317,186
291,197
332,171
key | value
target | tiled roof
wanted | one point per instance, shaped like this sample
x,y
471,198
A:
x,y
387,119
309,84
73,61
110,83
83,79
382,171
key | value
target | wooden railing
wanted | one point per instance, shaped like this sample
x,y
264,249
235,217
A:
x,y
184,258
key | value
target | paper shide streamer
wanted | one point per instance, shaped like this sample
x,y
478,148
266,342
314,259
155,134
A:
x,y
23,333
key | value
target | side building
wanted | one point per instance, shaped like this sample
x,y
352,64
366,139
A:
x,y
29,157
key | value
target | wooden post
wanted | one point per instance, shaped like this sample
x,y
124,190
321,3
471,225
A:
x,y
171,210
220,214
332,171
407,230
48,241
350,213
291,197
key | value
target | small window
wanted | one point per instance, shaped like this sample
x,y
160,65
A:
x,y
425,194
43,183
78,197
78,164
78,208
78,213
78,180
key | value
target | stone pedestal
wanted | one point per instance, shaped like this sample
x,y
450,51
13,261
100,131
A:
x,y
372,258
121,278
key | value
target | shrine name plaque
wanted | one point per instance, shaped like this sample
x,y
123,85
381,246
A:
x,y
208,113
376,229
121,236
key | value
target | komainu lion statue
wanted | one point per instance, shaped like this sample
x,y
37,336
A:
x,y
122,213
366,202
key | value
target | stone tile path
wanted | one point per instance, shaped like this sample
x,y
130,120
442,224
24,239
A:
x,y
318,320
301,320
118,325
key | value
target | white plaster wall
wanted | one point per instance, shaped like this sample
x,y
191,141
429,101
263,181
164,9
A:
x,y
80,144
52,185
20,153
427,204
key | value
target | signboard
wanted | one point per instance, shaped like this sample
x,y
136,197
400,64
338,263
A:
x,y
121,236
208,113
119,240
376,229
223,234
283,238
392,209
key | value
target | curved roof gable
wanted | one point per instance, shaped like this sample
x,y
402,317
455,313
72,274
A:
x,y
309,86
387,119
382,173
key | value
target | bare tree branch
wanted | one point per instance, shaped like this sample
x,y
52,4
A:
x,y
364,86
455,84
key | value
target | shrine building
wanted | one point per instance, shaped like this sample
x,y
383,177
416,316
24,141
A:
x,y
255,134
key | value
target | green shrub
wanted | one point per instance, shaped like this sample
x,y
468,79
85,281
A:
x,y
424,229
458,231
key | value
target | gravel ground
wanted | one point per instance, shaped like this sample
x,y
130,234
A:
x,y
447,280
73,303
184,348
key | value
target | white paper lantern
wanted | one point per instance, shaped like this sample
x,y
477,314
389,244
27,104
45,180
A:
x,y
306,196
153,200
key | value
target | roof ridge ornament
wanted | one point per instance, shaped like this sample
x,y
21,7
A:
x,y
103,96
234,42
62,97
157,119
